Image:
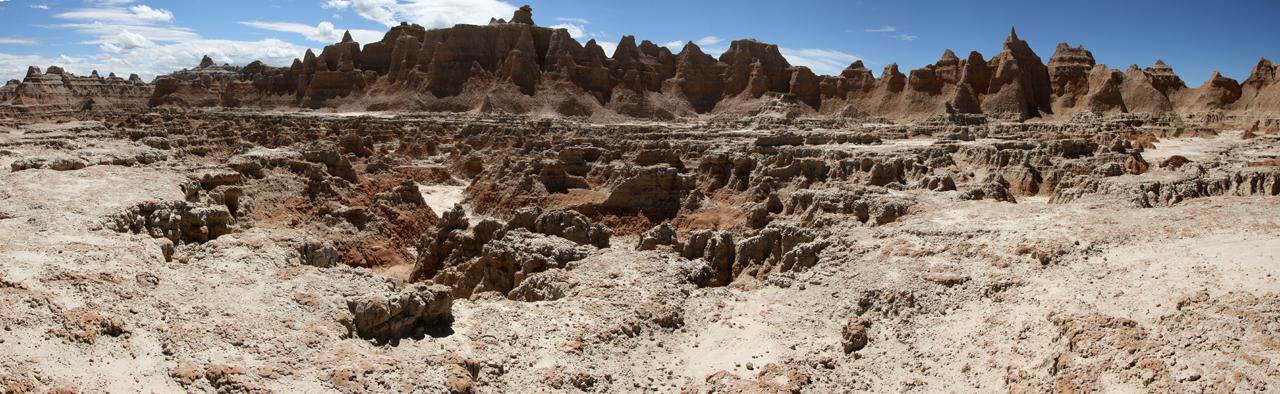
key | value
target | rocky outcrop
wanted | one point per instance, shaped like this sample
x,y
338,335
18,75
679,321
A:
x,y
178,221
1261,91
519,67
415,311
57,90
1020,85
497,257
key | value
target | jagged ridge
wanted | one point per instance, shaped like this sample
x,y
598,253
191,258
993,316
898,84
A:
x,y
520,67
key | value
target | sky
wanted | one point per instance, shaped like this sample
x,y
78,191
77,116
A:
x,y
157,37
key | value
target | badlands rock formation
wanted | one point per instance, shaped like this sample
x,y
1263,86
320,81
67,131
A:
x,y
519,67
761,229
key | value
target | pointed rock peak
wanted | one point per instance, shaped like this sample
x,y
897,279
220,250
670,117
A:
x,y
691,48
309,56
1160,63
1262,63
975,57
890,70
856,65
1013,34
94,74
206,62
112,75
1063,46
134,78
627,43
523,15
949,55
346,37
594,49
33,71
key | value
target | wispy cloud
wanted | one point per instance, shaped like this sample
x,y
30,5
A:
x,y
579,21
324,32
40,6
104,24
16,41
890,29
709,40
674,46
820,61
138,14
429,13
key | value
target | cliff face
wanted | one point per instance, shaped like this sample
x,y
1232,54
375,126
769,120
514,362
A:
x,y
58,90
520,67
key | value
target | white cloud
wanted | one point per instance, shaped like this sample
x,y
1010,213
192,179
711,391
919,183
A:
x,y
163,59
126,41
154,60
575,31
674,46
608,46
709,40
906,37
821,61
579,21
136,15
324,32
144,40
429,13
40,6
105,23
15,66
882,29
16,41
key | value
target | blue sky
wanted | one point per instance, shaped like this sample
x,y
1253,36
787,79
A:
x,y
152,37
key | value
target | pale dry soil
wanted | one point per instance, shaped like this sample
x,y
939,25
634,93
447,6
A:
x,y
244,301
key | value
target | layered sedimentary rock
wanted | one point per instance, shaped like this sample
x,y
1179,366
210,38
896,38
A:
x,y
519,67
58,90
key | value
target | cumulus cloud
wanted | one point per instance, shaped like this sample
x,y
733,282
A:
x,y
429,13
575,31
144,40
882,29
324,32
674,46
162,59
821,61
126,41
